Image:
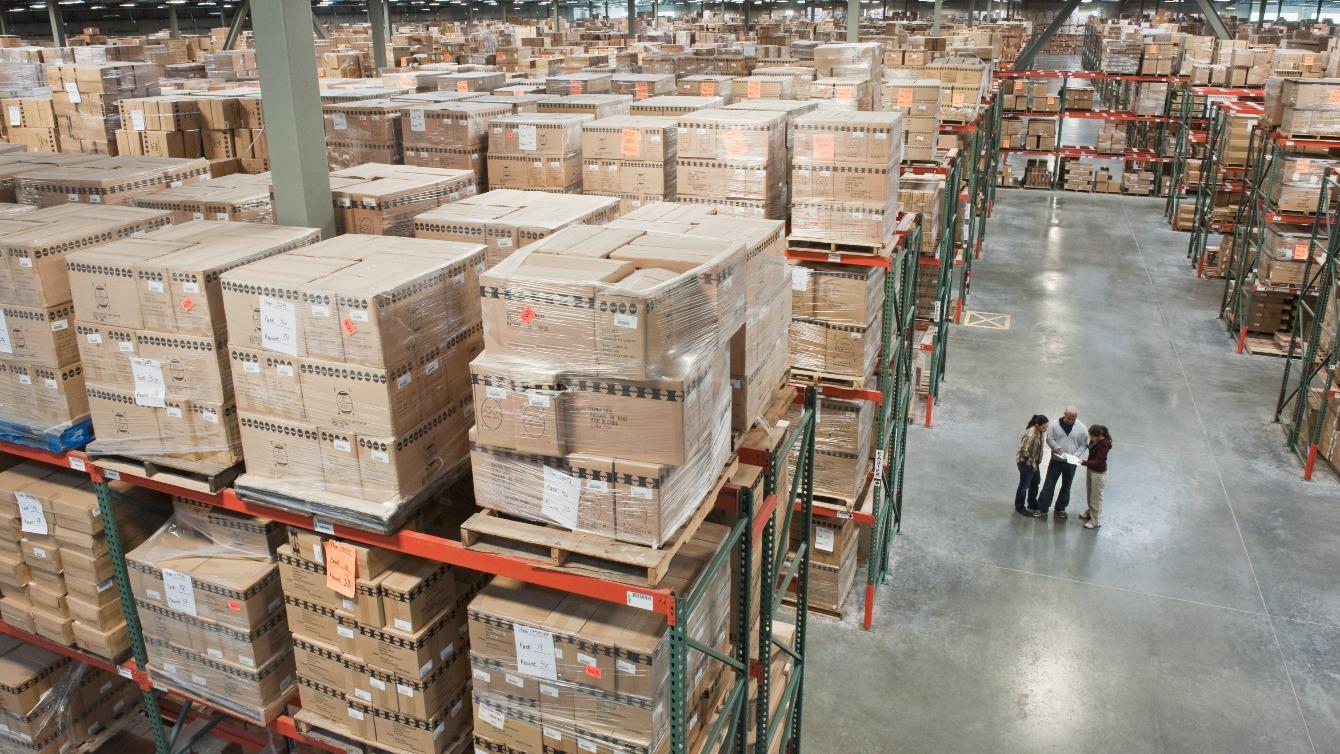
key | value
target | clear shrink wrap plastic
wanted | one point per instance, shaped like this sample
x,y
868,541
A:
x,y
845,176
45,404
843,443
350,366
1284,252
363,131
149,327
837,313
536,150
734,157
23,80
1307,107
107,180
450,135
554,672
383,199
231,198
212,611
1296,182
603,398
57,704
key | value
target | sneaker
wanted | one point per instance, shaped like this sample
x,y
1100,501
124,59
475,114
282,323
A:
x,y
1028,513
1084,516
1062,515
1091,525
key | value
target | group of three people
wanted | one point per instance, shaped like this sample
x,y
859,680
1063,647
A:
x,y
1072,445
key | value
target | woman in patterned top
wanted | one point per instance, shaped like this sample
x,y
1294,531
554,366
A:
x,y
1028,458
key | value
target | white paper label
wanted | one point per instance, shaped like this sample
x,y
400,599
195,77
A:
x,y
125,346
800,278
279,326
404,690
639,600
25,379
150,389
348,604
111,474
180,591
358,315
6,346
481,675
535,652
597,485
49,383
339,121
173,412
94,338
537,400
403,624
323,527
496,393
381,456
492,716
561,493
341,444
403,381
625,667
585,745
284,370
356,714
72,90
78,465
155,286
363,694
137,120
514,680
430,367
216,654
210,415
641,493
526,138
40,552
417,121
15,115
251,367
345,631
626,320
60,325
190,287
549,691
34,521
553,733
823,538
25,262
320,311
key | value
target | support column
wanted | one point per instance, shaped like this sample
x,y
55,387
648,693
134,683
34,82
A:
x,y
502,4
172,22
1319,2
555,14
1025,60
632,19
4,23
745,9
1212,18
853,20
57,23
286,55
377,17
935,20
235,28
317,28
1261,14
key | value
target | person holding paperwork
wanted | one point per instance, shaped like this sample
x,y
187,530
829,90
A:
x,y
1068,439
1100,442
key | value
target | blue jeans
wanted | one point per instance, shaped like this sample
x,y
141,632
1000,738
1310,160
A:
x,y
1057,467
1027,492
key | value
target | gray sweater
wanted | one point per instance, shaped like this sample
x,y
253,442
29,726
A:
x,y
1076,443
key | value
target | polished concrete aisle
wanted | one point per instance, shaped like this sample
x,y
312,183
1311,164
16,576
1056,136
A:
x,y
1203,617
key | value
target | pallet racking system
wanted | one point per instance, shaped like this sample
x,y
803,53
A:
x,y
756,521
892,397
1308,392
1256,208
1113,88
1192,120
1217,178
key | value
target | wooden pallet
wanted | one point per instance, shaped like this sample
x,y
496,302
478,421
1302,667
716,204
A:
x,y
583,552
844,508
1261,345
807,377
197,476
331,732
827,246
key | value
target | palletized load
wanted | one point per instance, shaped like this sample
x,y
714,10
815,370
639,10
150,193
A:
x,y
85,98
643,85
1284,252
451,135
504,220
349,362
736,159
212,613
240,197
381,199
1303,107
1295,184
150,331
109,180
364,131
670,106
845,176
594,105
630,157
536,151
836,319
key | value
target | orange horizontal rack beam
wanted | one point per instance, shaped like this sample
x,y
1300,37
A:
x,y
1116,116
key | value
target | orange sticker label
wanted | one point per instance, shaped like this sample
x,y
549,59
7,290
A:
x,y
527,314
958,99
577,87
1333,96
1300,250
593,671
1309,59
630,142
1051,101
732,143
341,567
754,89
349,328
1152,49
904,98
517,92
404,62
187,304
462,86
845,92
824,147
640,89
709,89
234,605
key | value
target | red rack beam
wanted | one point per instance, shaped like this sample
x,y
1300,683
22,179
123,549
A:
x,y
125,670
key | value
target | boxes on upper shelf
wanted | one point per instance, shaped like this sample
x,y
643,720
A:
x,y
736,158
845,176
504,220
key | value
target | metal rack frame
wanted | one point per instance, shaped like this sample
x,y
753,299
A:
x,y
754,522
1216,178
1190,130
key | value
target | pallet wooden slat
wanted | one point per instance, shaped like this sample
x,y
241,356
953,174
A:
x,y
195,476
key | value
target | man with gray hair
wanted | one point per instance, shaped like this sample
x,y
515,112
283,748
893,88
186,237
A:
x,y
1068,440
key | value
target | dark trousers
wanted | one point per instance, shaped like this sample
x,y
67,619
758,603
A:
x,y
1057,467
1027,492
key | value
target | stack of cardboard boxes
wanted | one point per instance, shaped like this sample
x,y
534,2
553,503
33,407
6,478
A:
x,y
107,180
381,199
57,575
641,86
365,340
504,220
836,314
1284,252
707,85
537,151
364,131
610,417
963,83
31,121
380,642
1296,187
673,106
919,102
1137,182
595,105
1303,107
159,127
851,72
630,157
451,135
241,197
232,128
209,601
1112,138
736,159
151,335
1077,176
844,176
86,98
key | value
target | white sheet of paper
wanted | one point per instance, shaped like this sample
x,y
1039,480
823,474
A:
x,y
1072,460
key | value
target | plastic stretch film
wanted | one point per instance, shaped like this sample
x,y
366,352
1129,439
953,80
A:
x,y
232,198
51,704
149,328
211,606
843,442
845,175
110,180
382,199
556,672
1295,185
350,362
734,156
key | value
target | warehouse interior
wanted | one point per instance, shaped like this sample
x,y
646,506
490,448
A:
x,y
567,376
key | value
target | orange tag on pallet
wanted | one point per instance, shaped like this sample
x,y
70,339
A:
x,y
957,99
709,89
341,567
1300,250
640,89
824,147
1309,59
630,142
1333,96
577,87
754,89
845,92
462,86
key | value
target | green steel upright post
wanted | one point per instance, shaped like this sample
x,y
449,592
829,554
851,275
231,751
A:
x,y
1248,233
117,551
1206,191
57,23
1179,155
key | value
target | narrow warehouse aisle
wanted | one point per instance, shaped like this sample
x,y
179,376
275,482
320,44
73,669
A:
x,y
1203,616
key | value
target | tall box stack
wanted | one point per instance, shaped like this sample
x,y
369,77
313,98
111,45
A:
x,y
85,98
51,703
504,220
555,672
31,121
848,60
379,199
836,317
631,158
57,579
643,85
380,643
349,363
44,400
963,84
451,135
845,176
1306,107
107,180
159,127
232,127
846,92
621,405
919,102
537,151
241,197
736,159
801,79
209,601
759,358
364,131
151,334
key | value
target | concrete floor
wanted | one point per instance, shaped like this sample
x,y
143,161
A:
x,y
1204,615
